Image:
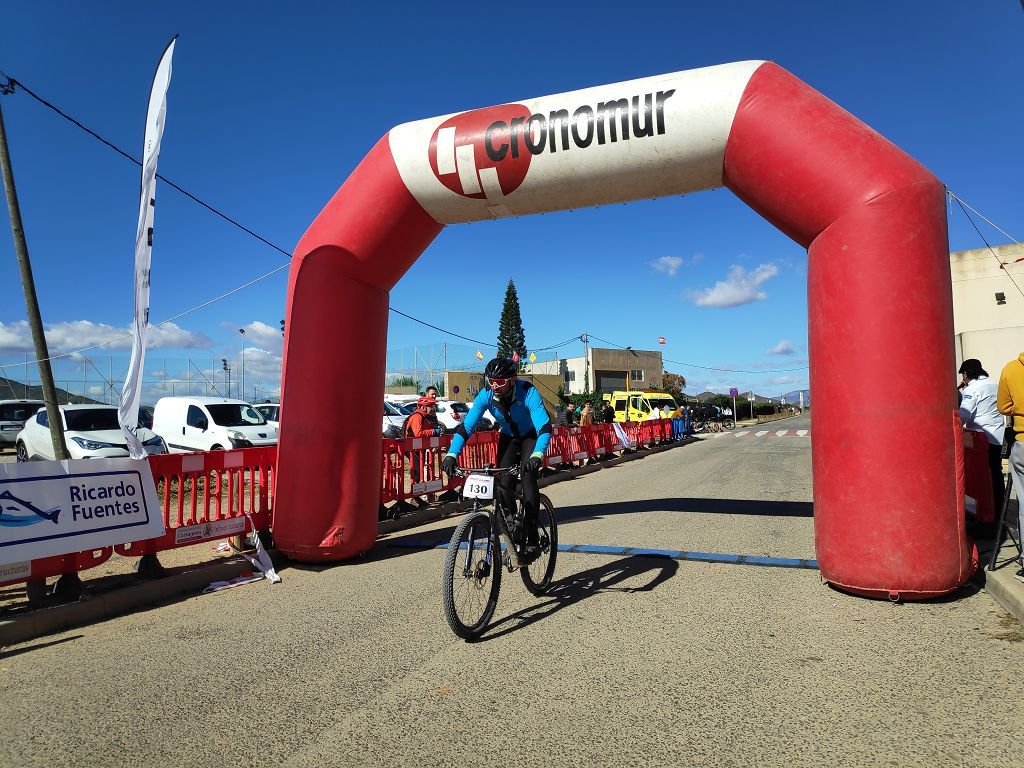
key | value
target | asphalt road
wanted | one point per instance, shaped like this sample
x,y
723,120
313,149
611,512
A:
x,y
629,661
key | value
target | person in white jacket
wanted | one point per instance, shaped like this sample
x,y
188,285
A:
x,y
979,413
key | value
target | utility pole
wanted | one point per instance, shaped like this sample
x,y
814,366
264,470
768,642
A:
x,y
60,448
68,584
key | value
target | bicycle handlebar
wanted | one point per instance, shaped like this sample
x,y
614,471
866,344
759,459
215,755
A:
x,y
490,470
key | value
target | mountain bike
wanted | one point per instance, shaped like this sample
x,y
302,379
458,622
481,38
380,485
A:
x,y
488,539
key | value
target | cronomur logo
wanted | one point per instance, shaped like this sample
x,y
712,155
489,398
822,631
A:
x,y
18,513
486,153
460,160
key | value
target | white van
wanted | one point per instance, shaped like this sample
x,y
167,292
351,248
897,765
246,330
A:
x,y
210,424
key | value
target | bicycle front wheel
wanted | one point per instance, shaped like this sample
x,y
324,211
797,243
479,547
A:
x,y
729,424
472,576
537,575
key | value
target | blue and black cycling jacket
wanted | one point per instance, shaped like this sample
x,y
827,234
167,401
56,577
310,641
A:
x,y
524,417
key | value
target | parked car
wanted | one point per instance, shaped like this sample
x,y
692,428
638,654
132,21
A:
x,y
13,415
270,412
451,413
90,431
210,424
394,418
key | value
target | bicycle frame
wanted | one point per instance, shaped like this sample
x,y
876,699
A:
x,y
499,519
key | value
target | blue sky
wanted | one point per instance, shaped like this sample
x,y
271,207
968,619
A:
x,y
272,105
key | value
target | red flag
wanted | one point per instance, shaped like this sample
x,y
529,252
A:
x,y
515,357
661,340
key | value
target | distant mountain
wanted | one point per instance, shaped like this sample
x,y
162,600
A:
x,y
705,396
793,398
16,390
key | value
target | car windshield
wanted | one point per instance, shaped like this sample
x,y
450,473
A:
x,y
460,407
18,411
91,419
235,415
661,402
390,409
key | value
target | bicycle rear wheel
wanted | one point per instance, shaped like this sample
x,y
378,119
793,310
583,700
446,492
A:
x,y
537,575
472,576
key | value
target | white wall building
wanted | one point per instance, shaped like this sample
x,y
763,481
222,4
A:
x,y
988,309
610,370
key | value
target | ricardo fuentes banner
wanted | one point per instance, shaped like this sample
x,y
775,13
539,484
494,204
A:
x,y
58,507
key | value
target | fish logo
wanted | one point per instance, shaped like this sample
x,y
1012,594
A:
x,y
18,513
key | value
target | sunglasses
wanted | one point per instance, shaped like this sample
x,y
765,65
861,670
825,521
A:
x,y
499,382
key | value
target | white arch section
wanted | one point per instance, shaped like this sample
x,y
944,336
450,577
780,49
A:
x,y
887,493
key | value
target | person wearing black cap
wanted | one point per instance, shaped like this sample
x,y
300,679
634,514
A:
x,y
979,413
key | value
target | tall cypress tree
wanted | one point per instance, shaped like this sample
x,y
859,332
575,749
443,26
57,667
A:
x,y
511,336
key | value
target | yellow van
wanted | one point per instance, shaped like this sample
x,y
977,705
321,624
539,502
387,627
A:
x,y
637,406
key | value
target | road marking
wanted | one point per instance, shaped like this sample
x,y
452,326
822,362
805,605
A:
x,y
762,433
672,554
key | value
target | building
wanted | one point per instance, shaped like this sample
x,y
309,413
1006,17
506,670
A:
x,y
988,309
609,370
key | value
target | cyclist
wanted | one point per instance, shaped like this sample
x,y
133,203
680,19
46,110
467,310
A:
x,y
525,432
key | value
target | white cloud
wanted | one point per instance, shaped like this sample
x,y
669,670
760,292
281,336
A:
x,y
61,338
263,336
788,379
782,348
740,287
667,264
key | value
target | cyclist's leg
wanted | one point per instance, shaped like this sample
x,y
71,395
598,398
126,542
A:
x,y
508,456
531,493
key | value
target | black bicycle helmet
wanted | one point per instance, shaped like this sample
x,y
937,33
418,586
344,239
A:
x,y
501,368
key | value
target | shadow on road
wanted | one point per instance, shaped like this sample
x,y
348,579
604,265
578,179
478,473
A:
x,y
37,646
697,506
399,545
569,591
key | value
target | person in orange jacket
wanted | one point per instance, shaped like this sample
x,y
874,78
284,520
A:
x,y
422,423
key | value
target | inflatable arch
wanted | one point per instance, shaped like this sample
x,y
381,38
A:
x,y
887,501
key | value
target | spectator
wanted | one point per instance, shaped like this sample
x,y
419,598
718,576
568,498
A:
x,y
564,417
586,416
1010,401
430,391
607,412
979,413
422,423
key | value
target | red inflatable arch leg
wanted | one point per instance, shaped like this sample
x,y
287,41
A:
x,y
328,480
888,517
880,305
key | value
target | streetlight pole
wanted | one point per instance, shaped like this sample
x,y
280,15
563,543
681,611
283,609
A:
x,y
241,363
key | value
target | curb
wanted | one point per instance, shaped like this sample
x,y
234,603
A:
x,y
1000,583
45,621
1006,591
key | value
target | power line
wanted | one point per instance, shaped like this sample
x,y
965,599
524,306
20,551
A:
x,y
9,88
990,248
17,83
693,365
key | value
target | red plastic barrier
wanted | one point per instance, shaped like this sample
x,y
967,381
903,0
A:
x,y
559,449
977,478
203,497
399,457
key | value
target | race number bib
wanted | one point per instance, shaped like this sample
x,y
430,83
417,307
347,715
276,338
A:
x,y
478,487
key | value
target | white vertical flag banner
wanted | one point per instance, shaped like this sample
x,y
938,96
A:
x,y
131,393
